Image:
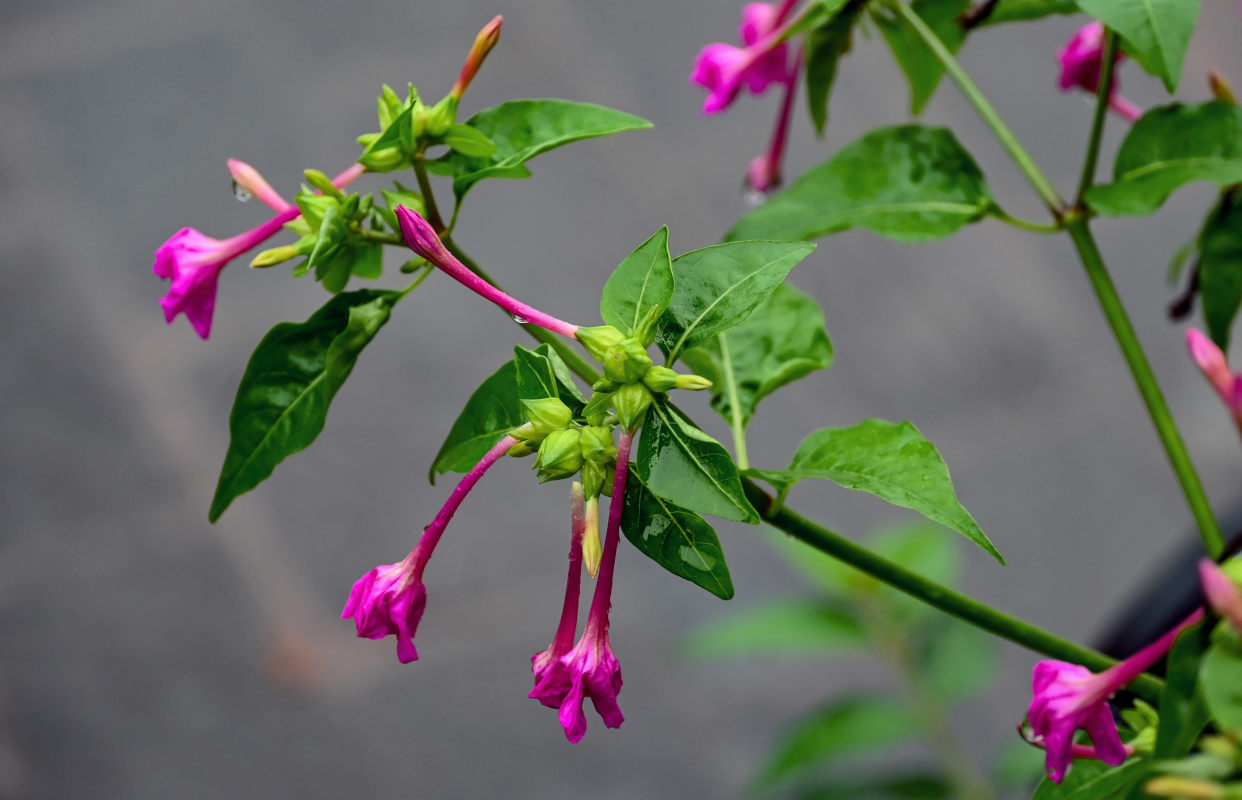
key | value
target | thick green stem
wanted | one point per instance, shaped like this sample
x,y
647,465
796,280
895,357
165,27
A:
x,y
736,423
1104,90
935,595
429,197
1022,224
1149,389
1043,187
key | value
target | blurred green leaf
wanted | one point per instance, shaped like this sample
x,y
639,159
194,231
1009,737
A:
x,y
1023,10
825,45
780,628
1094,780
1183,714
921,66
1221,678
1220,266
1156,32
960,661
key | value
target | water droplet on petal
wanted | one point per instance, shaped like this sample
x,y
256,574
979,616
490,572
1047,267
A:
x,y
519,320
753,198
240,192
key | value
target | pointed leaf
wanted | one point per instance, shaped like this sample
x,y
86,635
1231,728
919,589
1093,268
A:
x,y
1156,32
469,141
718,287
891,461
490,413
781,628
921,67
292,376
522,129
783,340
1220,266
910,183
1023,10
1183,714
1222,688
679,540
1094,780
541,373
644,280
1171,146
825,45
680,463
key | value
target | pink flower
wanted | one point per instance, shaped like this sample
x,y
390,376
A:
x,y
1066,697
590,669
723,69
1211,362
391,597
763,175
1222,592
1082,58
547,690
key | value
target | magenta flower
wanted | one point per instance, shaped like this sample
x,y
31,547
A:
x,y
591,669
547,690
723,69
1082,58
391,597
1222,592
1211,362
763,175
423,240
1067,697
193,261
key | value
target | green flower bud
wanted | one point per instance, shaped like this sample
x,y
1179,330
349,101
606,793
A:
x,y
389,106
440,117
631,402
276,255
660,379
605,386
598,446
693,382
546,415
594,477
645,332
321,182
592,550
520,450
598,339
626,362
560,455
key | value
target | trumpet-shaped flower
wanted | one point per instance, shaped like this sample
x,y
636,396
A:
x,y
723,69
1222,592
547,691
390,598
763,175
1082,59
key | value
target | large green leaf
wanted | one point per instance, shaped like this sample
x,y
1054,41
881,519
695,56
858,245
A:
x,y
522,129
781,628
842,728
490,413
644,280
679,540
825,45
718,287
680,463
1221,678
1022,10
959,662
1183,714
1220,266
1094,780
1156,32
921,66
541,373
889,460
910,183
783,340
292,376
1171,146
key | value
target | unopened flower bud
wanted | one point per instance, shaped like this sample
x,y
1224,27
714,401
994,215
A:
x,y
592,549
520,450
1186,788
598,339
693,382
483,44
321,182
1221,89
276,255
1220,587
593,477
247,179
631,402
440,117
546,415
604,386
389,106
660,379
598,446
626,362
560,455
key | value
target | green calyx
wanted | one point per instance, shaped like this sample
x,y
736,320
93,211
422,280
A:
x,y
560,455
598,339
626,361
545,416
631,402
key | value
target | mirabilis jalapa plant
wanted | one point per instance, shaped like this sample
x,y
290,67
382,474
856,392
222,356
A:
x,y
726,313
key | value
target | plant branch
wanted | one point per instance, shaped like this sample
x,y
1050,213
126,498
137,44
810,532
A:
x,y
1105,92
429,197
1022,224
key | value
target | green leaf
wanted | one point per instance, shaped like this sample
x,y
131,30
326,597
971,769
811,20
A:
x,y
1023,10
781,628
891,461
1183,714
1171,146
1094,780
679,462
490,413
783,340
522,129
292,376
909,786
390,150
1156,32
825,45
959,661
1222,688
920,65
679,540
911,183
1220,266
469,141
541,373
644,280
400,196
718,287
842,728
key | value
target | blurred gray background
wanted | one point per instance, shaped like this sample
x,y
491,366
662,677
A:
x,y
147,654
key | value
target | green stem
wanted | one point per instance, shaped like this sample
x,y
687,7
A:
x,y
1149,389
426,270
1043,187
937,596
1105,92
379,236
429,197
1022,224
735,407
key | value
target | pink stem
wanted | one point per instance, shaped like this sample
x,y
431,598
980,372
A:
x,y
1118,675
432,533
517,309
1124,108
602,600
780,136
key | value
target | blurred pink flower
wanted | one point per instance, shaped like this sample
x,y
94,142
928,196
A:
x,y
1082,58
723,69
1222,592
1211,362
